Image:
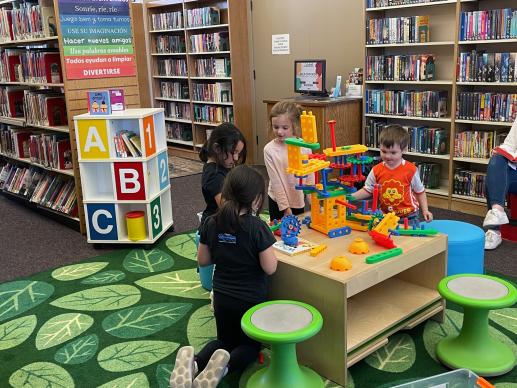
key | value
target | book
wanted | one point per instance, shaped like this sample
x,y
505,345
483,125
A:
x,y
104,102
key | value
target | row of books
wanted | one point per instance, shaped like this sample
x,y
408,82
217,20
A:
x,y
213,67
127,144
212,42
479,66
486,106
166,44
43,187
167,20
30,66
174,89
26,20
213,114
489,24
477,144
430,174
407,102
388,3
422,139
400,67
11,101
178,110
44,107
50,150
410,29
178,131
206,16
470,183
213,92
172,67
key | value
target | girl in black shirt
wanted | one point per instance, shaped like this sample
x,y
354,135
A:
x,y
241,245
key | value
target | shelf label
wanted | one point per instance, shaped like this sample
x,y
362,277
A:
x,y
163,170
129,180
149,140
93,139
102,221
156,216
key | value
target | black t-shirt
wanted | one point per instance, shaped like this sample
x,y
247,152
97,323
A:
x,y
211,184
238,272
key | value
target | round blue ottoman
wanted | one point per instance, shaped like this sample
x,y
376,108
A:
x,y
466,243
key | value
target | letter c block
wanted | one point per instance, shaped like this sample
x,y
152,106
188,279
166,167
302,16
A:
x,y
129,180
102,221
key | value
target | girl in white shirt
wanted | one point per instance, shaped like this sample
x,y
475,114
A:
x,y
284,199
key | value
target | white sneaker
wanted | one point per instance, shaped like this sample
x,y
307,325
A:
x,y
492,239
495,217
214,370
184,368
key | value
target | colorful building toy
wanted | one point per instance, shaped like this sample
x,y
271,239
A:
x,y
383,255
290,229
358,247
318,249
340,263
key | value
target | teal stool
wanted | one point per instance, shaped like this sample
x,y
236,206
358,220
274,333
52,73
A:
x,y
282,324
473,348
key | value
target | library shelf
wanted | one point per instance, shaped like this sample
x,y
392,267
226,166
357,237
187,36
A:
x,y
228,103
420,154
434,82
442,43
496,84
470,198
19,121
471,160
212,26
212,78
413,5
179,141
168,54
209,53
171,99
170,76
178,120
442,191
209,124
29,42
416,118
60,128
166,30
48,168
487,41
480,122
33,84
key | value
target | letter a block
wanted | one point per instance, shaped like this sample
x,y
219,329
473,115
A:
x,y
129,181
93,139
102,221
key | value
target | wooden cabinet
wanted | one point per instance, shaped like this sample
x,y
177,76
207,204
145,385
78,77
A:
x,y
346,112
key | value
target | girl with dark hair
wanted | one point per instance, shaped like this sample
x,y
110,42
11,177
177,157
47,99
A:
x,y
240,243
225,148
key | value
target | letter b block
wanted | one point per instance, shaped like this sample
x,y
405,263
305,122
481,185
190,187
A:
x,y
129,181
102,221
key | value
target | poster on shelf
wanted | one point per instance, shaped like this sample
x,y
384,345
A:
x,y
96,37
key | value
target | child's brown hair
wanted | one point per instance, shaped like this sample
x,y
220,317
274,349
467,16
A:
x,y
394,134
289,108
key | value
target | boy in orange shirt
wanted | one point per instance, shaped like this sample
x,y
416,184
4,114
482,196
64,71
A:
x,y
402,191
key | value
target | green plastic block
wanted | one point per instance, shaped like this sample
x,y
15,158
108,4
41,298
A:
x,y
416,232
372,259
300,143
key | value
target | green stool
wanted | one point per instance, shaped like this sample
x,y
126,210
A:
x,y
282,324
473,348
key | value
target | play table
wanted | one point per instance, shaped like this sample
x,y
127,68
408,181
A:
x,y
361,307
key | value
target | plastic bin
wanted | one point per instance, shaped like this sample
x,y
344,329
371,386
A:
x,y
459,378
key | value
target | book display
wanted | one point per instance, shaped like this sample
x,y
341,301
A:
x,y
453,89
36,161
124,175
200,69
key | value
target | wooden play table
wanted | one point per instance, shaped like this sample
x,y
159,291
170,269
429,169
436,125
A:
x,y
361,307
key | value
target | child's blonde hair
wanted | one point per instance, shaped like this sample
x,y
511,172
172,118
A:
x,y
289,108
394,134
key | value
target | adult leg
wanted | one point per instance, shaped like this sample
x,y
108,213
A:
x,y
274,211
499,176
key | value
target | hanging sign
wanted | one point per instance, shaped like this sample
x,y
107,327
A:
x,y
96,37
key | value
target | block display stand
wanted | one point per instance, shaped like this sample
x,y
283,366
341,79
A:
x,y
114,186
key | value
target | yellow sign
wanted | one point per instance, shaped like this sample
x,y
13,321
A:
x,y
93,139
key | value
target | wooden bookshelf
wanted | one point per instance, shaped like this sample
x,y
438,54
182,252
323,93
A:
x,y
445,44
186,129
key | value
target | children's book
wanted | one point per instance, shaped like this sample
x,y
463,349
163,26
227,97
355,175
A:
x,y
303,246
99,102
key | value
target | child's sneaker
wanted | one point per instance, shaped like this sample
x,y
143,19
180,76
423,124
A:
x,y
212,300
183,373
495,217
492,239
214,370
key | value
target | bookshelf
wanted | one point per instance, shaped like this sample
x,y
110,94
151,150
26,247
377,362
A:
x,y
469,137
119,180
200,69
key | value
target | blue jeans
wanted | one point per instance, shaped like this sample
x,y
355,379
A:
x,y
500,180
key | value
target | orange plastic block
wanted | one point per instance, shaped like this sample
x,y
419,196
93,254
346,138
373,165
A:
x,y
340,263
358,247
318,249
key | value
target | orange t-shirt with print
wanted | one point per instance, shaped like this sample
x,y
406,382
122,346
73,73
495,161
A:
x,y
396,194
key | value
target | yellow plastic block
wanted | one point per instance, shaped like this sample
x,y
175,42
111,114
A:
x,y
389,221
305,169
350,150
356,226
358,247
340,263
318,249
308,124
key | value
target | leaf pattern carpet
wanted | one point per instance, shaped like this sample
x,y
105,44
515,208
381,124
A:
x,y
117,320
